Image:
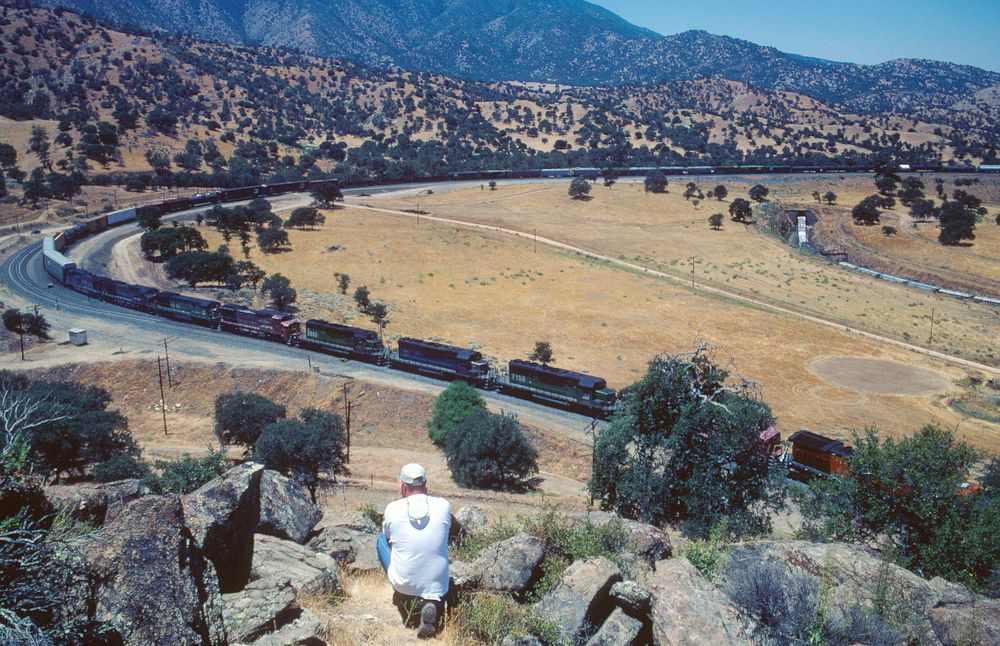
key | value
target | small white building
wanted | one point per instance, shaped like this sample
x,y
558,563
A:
x,y
78,336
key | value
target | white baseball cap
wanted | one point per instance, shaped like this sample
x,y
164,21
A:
x,y
413,473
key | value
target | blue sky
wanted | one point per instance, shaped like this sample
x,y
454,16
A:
x,y
859,31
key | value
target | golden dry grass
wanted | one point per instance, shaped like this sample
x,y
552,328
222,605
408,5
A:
x,y
500,294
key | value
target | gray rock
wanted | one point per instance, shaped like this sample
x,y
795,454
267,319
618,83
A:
x,y
308,571
510,565
303,630
463,575
648,542
521,640
688,610
969,623
856,575
631,597
618,630
256,609
950,593
469,519
144,575
222,516
285,509
350,539
580,600
95,503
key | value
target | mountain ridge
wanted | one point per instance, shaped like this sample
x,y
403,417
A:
x,y
569,42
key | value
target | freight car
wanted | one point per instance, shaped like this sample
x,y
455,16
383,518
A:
x,y
342,341
442,361
135,297
564,388
266,324
814,455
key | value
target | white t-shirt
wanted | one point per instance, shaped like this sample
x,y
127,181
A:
x,y
417,528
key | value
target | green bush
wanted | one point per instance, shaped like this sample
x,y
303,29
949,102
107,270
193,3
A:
x,y
188,473
488,618
488,451
120,467
452,407
708,555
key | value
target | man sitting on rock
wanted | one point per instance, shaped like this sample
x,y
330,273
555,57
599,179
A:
x,y
413,550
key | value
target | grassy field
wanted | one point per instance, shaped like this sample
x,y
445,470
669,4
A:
x,y
501,294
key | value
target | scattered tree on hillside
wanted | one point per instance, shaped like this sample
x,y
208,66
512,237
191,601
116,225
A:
x,y
163,244
720,192
656,182
913,190
493,185
868,211
327,194
343,281
455,403
740,210
489,451
38,143
758,193
21,323
542,353
249,272
34,189
305,217
906,498
686,448
923,210
195,267
241,417
187,473
272,239
303,448
362,299
886,176
957,223
280,291
579,188
378,312
715,221
610,177
817,197
830,197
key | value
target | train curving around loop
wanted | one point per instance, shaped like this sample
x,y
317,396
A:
x,y
565,389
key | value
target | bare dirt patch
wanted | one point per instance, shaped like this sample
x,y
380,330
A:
x,y
878,376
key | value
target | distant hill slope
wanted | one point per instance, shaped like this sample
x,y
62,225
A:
x,y
558,41
185,106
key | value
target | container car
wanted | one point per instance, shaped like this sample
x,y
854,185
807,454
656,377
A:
x,y
573,390
267,324
200,311
57,265
342,340
442,361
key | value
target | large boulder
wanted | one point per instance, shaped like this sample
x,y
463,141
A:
x,y
350,539
222,516
631,597
511,565
856,578
618,630
307,571
94,503
145,575
304,630
468,520
580,599
977,622
689,610
257,609
648,542
285,509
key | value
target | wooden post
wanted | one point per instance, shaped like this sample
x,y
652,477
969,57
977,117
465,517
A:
x,y
163,401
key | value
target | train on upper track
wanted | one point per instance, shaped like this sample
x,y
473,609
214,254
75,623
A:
x,y
579,392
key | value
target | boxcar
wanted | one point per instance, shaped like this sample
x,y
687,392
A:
x,y
442,361
573,390
57,265
342,340
814,454
267,324
201,311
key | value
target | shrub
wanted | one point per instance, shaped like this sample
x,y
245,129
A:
x,y
187,473
488,451
707,555
452,407
120,467
488,618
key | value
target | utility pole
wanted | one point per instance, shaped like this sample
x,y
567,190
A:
x,y
692,270
534,234
347,421
170,380
930,338
163,401
309,359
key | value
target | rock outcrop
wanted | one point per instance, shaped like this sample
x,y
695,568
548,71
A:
x,y
511,565
222,516
94,503
350,539
285,509
256,609
618,630
688,609
580,600
144,575
307,571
